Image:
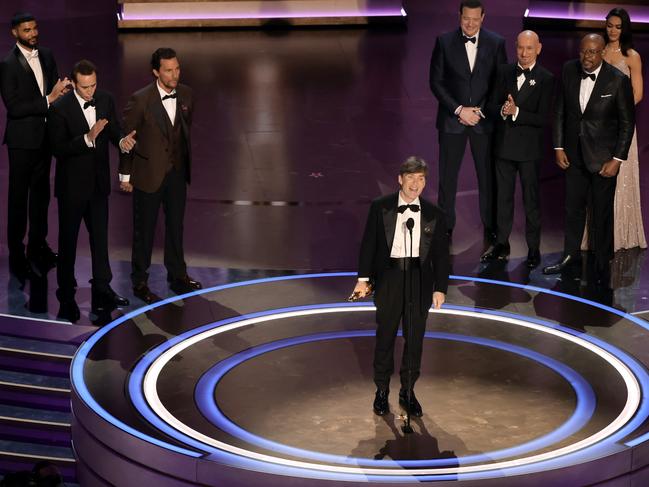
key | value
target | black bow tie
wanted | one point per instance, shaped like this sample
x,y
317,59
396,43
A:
x,y
520,71
403,208
585,75
90,103
468,39
167,97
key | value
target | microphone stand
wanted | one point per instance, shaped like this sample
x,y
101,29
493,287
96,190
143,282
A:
x,y
406,428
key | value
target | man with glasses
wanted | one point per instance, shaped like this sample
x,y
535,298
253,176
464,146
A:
x,y
593,127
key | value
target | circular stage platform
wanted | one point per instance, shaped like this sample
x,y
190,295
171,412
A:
x,y
269,383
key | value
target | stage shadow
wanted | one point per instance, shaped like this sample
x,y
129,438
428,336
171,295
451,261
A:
x,y
418,445
494,296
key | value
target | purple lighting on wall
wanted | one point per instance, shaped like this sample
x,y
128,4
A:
x,y
583,11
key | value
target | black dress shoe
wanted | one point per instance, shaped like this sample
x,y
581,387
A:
x,y
184,285
565,263
107,301
496,252
413,407
533,258
43,257
381,406
143,292
69,311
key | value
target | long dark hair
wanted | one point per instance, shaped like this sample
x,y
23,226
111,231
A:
x,y
626,35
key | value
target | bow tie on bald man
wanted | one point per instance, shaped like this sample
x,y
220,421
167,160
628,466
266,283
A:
x,y
520,71
402,208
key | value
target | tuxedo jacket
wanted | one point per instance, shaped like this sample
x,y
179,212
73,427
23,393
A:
x,y
82,171
148,162
433,246
454,84
521,139
605,129
26,106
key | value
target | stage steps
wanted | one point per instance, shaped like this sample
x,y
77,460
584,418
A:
x,y
35,412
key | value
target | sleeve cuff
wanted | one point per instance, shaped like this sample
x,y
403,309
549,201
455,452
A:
x,y
458,110
124,178
617,159
515,114
87,140
365,279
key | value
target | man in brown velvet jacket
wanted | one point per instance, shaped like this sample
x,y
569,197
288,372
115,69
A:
x,y
158,170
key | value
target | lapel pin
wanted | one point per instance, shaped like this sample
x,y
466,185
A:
x,y
532,82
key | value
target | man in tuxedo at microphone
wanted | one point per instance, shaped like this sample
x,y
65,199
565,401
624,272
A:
x,y
405,242
81,125
462,72
29,83
593,127
520,103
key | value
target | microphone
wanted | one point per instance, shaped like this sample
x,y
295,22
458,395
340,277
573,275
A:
x,y
410,223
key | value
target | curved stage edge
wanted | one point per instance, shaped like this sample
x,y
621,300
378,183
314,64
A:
x,y
269,382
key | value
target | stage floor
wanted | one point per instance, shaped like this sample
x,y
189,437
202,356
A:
x,y
269,382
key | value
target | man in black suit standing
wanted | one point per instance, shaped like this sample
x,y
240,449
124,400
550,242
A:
x,y
520,104
81,125
593,127
29,82
158,171
388,251
462,71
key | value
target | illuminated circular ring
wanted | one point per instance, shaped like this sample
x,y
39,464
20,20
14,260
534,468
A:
x,y
625,423
204,397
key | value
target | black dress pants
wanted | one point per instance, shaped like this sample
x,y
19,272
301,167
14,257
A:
x,y
94,213
391,306
171,196
528,172
584,188
451,152
28,199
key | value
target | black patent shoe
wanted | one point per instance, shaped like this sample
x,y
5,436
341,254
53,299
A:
x,y
409,403
564,264
143,292
381,406
496,252
184,285
107,301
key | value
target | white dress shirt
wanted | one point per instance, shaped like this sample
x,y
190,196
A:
x,y
472,49
401,241
169,104
586,88
90,114
35,64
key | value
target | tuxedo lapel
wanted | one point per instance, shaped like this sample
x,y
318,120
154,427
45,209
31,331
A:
x,y
526,88
44,70
23,62
77,113
457,46
427,229
390,219
158,111
600,85
480,56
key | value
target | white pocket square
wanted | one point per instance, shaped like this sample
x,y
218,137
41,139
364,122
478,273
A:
x,y
606,96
